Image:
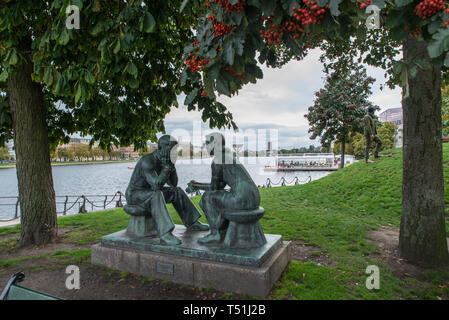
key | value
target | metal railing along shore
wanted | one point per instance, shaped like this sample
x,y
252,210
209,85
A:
x,y
79,204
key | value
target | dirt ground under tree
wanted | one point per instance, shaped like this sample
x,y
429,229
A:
x,y
48,274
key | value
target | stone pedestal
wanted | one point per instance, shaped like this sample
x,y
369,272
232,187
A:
x,y
244,271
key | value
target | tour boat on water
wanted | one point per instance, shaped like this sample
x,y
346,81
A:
x,y
309,162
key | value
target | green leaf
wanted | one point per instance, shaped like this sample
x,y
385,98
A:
x,y
222,86
134,83
402,3
395,18
267,7
397,67
229,52
254,3
433,26
148,23
48,76
97,29
4,76
404,77
59,86
413,70
289,4
13,57
90,79
191,96
131,69
78,93
117,46
209,87
439,44
213,71
64,37
379,3
423,64
333,6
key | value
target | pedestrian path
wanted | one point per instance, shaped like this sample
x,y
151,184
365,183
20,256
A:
x,y
10,223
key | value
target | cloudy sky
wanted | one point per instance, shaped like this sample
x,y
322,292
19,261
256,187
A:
x,y
278,101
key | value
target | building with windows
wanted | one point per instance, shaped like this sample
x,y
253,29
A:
x,y
74,141
392,115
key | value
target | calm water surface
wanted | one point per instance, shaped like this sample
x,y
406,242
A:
x,y
107,179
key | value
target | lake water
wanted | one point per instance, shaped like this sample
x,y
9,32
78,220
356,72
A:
x,y
107,179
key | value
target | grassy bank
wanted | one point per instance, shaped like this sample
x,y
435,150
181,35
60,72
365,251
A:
x,y
333,215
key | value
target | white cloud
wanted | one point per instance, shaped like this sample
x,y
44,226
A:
x,y
281,99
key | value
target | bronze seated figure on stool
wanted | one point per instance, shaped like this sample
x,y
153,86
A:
x,y
233,214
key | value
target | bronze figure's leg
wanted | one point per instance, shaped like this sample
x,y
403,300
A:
x,y
185,208
211,203
154,203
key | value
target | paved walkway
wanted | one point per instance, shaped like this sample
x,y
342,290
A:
x,y
10,223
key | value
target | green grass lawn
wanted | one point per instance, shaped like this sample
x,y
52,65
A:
x,y
334,213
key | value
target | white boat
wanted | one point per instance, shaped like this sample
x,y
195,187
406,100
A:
x,y
308,162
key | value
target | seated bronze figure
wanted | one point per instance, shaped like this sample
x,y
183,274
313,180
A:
x,y
232,214
154,183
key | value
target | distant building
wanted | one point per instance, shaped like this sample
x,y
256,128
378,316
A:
x,y
128,152
393,115
74,141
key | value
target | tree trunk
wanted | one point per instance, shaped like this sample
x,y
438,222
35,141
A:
x,y
34,175
342,157
422,236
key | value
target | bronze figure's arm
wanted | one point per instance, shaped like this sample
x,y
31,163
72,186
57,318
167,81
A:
x,y
153,179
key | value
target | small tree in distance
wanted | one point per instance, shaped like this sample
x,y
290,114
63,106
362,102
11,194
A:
x,y
340,106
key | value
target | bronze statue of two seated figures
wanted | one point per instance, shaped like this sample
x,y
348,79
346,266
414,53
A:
x,y
230,202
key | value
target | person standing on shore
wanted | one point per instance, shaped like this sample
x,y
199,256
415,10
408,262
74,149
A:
x,y
371,134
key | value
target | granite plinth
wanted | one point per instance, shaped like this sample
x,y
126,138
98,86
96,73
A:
x,y
190,248
254,281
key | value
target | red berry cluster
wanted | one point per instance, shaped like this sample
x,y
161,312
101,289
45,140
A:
x,y
294,28
234,72
415,32
364,3
195,65
427,8
204,94
273,33
311,13
196,42
225,4
220,28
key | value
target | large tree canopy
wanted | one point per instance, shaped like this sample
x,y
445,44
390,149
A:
x,y
116,77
